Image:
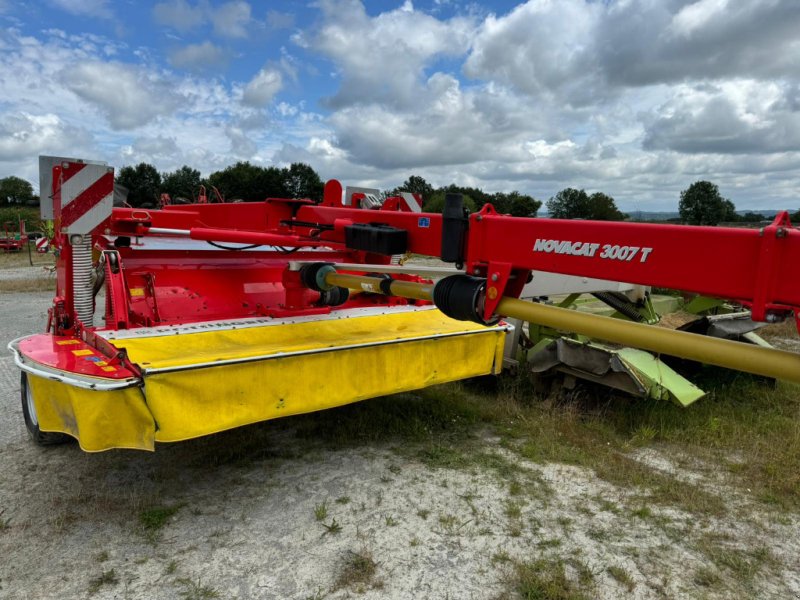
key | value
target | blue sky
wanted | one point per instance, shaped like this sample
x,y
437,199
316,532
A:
x,y
637,99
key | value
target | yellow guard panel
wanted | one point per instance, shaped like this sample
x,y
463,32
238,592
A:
x,y
335,362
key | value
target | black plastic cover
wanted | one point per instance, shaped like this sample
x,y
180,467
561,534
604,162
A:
x,y
376,237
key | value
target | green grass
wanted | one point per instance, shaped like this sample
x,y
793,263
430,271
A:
x,y
194,590
155,518
734,427
357,572
622,576
744,564
321,511
546,579
105,578
333,528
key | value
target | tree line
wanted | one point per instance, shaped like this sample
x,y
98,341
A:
x,y
241,181
700,204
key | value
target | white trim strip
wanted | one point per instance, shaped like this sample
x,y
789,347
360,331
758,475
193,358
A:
x,y
247,322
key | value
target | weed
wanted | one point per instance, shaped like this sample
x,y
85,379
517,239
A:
x,y
643,512
449,523
156,517
194,590
343,500
357,572
101,556
394,469
622,576
515,488
5,524
501,557
171,567
745,564
414,542
423,513
513,510
105,578
333,528
550,543
391,521
565,522
319,594
321,511
706,577
545,579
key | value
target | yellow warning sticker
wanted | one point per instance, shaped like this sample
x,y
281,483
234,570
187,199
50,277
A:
x,y
137,292
100,363
68,342
109,369
84,352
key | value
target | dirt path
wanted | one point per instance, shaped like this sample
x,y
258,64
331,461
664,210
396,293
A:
x,y
269,512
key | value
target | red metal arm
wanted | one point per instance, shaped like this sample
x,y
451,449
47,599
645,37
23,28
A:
x,y
745,265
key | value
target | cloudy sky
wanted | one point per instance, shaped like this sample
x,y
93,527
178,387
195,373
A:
x,y
635,98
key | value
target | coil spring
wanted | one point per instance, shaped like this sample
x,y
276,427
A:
x,y
82,281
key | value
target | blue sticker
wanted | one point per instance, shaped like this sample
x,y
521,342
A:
x,y
93,358
424,222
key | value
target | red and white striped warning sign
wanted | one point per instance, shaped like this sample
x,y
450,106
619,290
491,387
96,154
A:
x,y
42,245
87,195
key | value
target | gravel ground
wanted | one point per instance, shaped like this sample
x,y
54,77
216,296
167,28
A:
x,y
262,513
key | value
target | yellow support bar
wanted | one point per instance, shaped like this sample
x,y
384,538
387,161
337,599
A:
x,y
769,362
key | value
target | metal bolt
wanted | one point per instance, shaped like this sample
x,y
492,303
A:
x,y
495,277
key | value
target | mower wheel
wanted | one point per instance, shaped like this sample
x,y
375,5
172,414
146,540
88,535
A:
x,y
43,438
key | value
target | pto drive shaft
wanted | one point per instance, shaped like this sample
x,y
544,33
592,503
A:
x,y
461,296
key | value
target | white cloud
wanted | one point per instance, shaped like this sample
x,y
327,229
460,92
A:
x,y
180,15
198,57
130,96
541,48
383,58
262,88
231,19
697,15
23,134
85,8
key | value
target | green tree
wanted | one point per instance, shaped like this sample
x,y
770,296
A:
x,y
479,197
569,203
182,183
15,190
754,217
435,202
244,181
603,208
729,214
143,182
301,181
515,204
702,204
416,185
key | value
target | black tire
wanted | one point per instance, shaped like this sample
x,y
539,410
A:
x,y
43,438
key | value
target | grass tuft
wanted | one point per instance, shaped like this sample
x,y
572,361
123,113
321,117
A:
x,y
105,578
358,572
622,576
194,590
546,579
321,511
